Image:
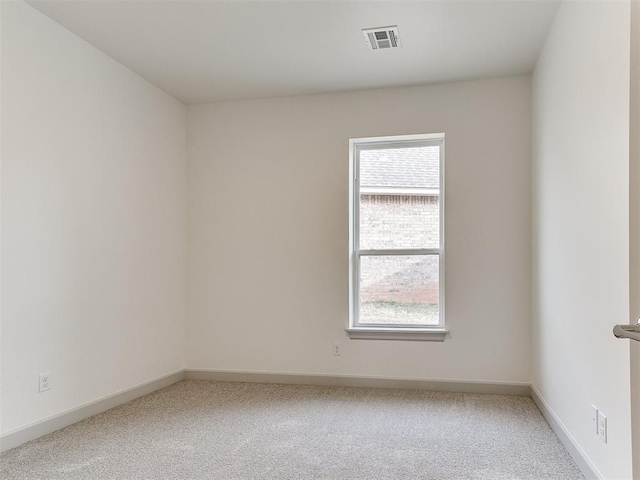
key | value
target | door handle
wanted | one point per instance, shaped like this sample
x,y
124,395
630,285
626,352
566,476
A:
x,y
628,331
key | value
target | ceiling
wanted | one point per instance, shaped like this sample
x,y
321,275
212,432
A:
x,y
207,51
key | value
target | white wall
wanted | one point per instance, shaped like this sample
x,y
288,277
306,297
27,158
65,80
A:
x,y
1,249
93,222
268,231
634,218
581,226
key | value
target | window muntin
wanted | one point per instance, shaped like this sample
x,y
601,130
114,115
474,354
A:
x,y
397,252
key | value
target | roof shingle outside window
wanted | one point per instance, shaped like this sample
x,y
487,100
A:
x,y
409,167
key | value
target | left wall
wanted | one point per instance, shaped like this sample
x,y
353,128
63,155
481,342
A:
x,y
93,222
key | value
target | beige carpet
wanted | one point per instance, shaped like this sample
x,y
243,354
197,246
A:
x,y
219,430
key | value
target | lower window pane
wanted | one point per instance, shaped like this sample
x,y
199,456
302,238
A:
x,y
399,289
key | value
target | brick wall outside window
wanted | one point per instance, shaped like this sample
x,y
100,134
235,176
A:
x,y
383,216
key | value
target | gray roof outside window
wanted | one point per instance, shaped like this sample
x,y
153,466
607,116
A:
x,y
408,167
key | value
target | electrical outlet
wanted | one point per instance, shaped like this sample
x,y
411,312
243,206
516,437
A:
x,y
594,419
45,382
336,348
602,427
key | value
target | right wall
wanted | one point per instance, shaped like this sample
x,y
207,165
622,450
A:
x,y
634,219
581,228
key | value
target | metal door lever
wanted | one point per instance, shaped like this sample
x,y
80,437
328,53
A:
x,y
628,331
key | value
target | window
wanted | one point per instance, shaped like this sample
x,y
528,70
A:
x,y
397,238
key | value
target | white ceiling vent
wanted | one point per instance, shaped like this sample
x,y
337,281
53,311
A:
x,y
382,38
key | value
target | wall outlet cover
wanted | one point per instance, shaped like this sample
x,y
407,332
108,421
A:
x,y
602,427
44,380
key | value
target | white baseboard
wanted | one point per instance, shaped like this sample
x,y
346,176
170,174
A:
x,y
587,468
361,381
17,437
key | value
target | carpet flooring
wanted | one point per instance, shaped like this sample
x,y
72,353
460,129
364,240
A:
x,y
220,430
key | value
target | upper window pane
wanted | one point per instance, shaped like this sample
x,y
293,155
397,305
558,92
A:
x,y
399,198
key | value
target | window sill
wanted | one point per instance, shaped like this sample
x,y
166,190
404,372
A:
x,y
398,333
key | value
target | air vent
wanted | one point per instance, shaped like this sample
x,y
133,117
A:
x,y
382,38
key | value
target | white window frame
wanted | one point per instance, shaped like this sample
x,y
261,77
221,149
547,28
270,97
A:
x,y
390,331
